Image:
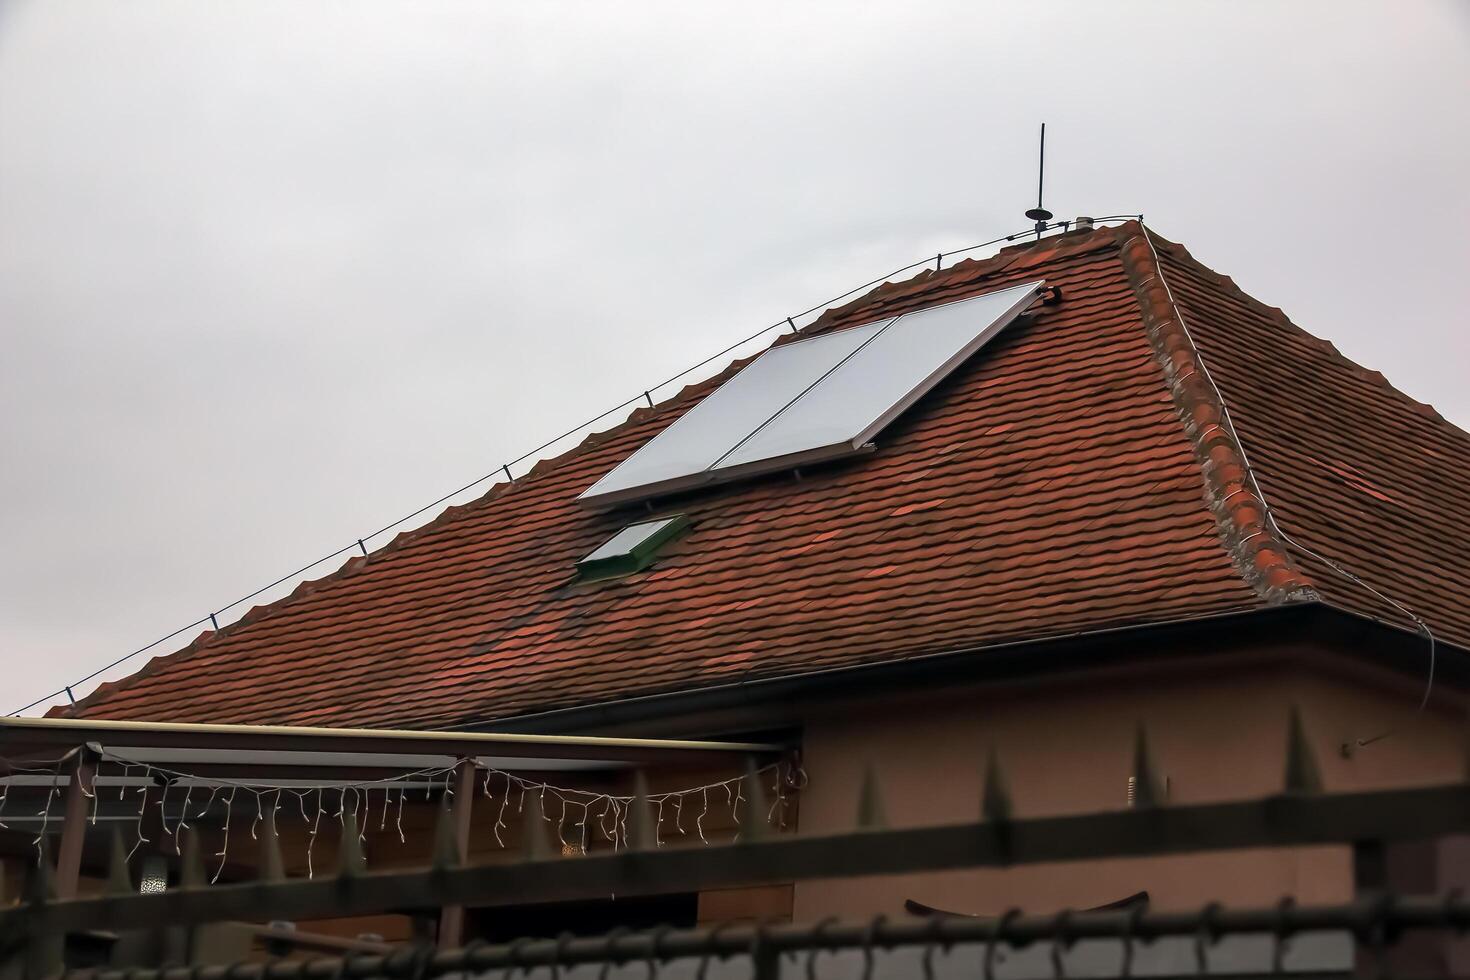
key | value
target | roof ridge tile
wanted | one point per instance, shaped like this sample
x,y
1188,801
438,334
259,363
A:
x,y
1230,490
963,274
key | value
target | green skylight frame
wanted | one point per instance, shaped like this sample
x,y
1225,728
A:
x,y
632,549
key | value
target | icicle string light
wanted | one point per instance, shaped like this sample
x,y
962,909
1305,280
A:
x,y
572,811
183,823
142,807
402,793
315,826
225,841
735,808
500,816
45,813
255,820
163,814
93,794
207,803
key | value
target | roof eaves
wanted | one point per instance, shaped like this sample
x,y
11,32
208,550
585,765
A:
x,y
1230,488
1010,658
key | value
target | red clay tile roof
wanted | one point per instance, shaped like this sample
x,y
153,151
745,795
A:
x,y
1073,476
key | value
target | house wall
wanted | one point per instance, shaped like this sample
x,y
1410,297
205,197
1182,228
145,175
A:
x,y
1217,728
1217,734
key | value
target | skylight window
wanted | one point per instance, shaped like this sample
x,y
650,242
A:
x,y
812,400
632,549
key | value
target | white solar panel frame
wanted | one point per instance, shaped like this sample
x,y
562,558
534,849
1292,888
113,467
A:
x,y
1017,298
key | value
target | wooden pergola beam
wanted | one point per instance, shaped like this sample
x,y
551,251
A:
x,y
451,919
40,737
79,790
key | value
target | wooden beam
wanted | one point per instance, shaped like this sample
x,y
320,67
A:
x,y
44,737
79,791
451,919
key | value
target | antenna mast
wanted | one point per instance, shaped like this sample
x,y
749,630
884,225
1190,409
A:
x,y
1039,214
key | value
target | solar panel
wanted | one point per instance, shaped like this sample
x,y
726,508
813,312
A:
x,y
892,371
681,455
813,399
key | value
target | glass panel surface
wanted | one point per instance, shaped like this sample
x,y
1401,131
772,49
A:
x,y
629,538
875,384
730,413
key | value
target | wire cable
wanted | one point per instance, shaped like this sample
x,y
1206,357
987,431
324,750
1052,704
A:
x,y
358,542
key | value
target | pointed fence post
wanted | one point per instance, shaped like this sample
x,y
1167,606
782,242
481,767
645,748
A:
x,y
206,942
996,808
350,860
194,942
191,865
270,865
1302,774
534,843
119,881
451,919
43,953
995,799
870,815
79,790
134,947
1147,789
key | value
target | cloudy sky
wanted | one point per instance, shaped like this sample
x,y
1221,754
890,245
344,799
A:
x,y
275,274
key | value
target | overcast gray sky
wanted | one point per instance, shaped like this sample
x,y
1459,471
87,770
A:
x,y
273,274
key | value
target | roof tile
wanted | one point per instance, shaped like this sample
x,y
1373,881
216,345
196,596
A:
x,y
1075,475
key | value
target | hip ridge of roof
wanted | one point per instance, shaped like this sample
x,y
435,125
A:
x,y
1231,491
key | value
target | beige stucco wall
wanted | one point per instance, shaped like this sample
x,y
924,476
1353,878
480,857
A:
x,y
1067,747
